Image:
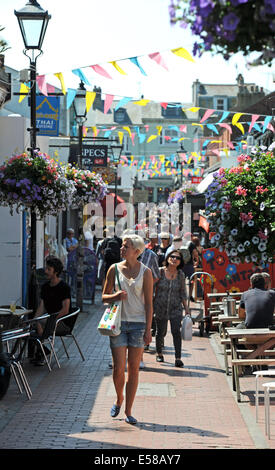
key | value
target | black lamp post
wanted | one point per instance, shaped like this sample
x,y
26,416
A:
x,y
179,152
80,115
116,152
33,22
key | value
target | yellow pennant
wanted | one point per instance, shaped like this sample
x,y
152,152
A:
x,y
235,122
142,102
159,128
197,124
162,158
95,131
128,130
181,52
23,89
117,67
152,137
90,97
61,79
120,135
193,110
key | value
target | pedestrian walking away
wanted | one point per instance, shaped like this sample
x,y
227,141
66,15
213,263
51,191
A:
x,y
136,294
170,298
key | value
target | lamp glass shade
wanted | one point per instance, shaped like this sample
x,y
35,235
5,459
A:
x,y
116,151
80,102
33,22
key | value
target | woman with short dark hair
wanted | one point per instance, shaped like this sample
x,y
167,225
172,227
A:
x,y
170,298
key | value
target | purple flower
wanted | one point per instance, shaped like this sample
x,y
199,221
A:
x,y
270,6
230,21
238,2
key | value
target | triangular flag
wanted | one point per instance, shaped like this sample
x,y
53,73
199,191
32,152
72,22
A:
x,y
235,122
226,126
117,67
81,75
136,62
213,128
108,102
128,130
183,128
207,114
122,103
95,131
159,128
164,105
181,52
98,69
193,110
230,145
142,102
90,97
253,120
50,88
42,85
197,124
120,135
266,122
224,116
270,127
158,59
152,137
23,89
59,75
70,97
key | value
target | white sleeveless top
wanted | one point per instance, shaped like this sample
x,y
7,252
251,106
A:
x,y
133,308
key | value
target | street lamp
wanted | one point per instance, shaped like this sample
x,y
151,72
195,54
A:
x,y
33,22
80,110
116,152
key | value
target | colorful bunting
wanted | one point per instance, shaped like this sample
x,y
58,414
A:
x,y
59,75
207,114
90,97
108,102
23,89
181,52
70,97
42,85
235,122
158,59
136,62
81,75
117,67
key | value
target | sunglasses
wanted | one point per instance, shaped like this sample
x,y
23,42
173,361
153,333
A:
x,y
175,257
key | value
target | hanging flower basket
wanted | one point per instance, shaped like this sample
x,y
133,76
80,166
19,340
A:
x,y
240,208
179,195
37,182
228,27
89,186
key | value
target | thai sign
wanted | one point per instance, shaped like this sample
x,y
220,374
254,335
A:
x,y
47,115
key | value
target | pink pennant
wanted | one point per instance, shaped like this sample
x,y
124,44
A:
x,y
98,69
183,128
230,145
133,138
164,105
50,88
207,114
195,140
108,102
226,126
217,152
41,83
147,165
146,128
253,120
270,127
167,137
158,59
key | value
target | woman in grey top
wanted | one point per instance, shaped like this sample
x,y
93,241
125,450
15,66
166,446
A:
x,y
170,297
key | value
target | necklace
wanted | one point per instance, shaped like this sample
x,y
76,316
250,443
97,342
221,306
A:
x,y
171,275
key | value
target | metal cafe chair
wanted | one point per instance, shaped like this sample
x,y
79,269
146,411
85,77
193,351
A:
x,y
13,341
73,315
46,337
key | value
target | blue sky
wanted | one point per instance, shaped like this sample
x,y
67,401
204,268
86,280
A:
x,y
89,32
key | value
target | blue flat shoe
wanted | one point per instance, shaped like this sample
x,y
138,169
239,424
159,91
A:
x,y
130,420
115,410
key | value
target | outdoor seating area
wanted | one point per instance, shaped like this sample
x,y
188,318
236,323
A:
x,y
17,331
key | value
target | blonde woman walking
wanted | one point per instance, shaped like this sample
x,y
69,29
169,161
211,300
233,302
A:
x,y
136,293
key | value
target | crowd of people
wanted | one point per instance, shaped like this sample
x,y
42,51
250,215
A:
x,y
149,276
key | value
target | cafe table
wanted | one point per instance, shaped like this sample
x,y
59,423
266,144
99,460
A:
x,y
9,319
261,342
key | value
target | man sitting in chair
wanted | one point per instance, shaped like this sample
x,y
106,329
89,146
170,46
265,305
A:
x,y
257,304
55,298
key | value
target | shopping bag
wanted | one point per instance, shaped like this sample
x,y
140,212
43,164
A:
x,y
110,322
186,329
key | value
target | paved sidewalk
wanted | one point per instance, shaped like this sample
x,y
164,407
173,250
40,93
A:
x,y
190,408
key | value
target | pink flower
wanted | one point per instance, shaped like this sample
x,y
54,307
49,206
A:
x,y
227,206
221,171
262,235
246,217
240,191
223,181
260,189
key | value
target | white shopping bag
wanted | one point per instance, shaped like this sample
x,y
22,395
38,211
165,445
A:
x,y
186,329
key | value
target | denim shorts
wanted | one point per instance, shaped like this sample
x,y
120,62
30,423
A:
x,y
131,335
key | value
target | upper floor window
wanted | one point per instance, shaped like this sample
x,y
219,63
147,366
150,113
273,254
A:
x,y
220,102
169,136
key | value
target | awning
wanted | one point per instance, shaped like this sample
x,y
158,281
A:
x,y
202,187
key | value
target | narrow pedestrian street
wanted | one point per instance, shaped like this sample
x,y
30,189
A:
x,y
190,408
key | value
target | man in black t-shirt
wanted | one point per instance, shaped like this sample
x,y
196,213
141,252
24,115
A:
x,y
55,298
257,304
